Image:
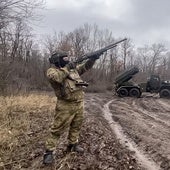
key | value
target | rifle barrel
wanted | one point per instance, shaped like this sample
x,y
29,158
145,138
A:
x,y
86,56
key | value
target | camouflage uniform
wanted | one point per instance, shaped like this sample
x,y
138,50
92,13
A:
x,y
70,96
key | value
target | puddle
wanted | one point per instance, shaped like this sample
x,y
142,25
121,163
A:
x,y
140,156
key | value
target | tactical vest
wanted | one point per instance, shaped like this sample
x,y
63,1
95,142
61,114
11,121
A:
x,y
70,89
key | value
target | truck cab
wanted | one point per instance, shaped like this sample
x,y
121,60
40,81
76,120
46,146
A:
x,y
153,84
156,85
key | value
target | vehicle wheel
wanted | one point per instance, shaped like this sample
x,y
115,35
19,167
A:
x,y
165,93
122,92
134,92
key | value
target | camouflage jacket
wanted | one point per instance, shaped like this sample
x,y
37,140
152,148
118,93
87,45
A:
x,y
64,81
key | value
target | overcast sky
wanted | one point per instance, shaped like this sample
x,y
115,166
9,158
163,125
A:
x,y
144,21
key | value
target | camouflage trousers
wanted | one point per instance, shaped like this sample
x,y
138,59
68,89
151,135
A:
x,y
68,115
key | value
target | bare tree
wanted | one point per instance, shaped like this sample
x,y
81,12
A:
x,y
156,53
12,10
142,60
15,35
126,48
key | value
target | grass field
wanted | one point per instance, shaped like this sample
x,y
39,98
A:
x,y
21,120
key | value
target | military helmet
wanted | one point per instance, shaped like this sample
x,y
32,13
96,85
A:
x,y
57,58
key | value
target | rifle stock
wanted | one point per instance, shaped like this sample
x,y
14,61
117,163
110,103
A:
x,y
100,51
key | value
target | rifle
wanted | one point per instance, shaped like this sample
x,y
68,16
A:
x,y
98,52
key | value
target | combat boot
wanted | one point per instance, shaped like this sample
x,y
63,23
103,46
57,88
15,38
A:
x,y
48,157
75,148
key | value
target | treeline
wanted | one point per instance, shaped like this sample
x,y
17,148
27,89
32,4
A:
x,y
20,59
23,62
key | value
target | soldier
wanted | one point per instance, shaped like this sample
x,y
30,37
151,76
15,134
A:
x,y
64,78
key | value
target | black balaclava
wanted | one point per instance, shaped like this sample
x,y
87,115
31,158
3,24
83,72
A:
x,y
57,59
61,62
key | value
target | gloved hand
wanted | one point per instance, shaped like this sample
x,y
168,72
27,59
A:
x,y
96,56
71,65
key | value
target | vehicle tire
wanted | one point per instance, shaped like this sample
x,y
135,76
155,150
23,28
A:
x,y
134,92
164,93
122,92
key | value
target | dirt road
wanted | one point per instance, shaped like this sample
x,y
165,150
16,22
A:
x,y
143,125
146,122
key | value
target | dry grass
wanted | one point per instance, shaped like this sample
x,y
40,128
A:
x,y
20,124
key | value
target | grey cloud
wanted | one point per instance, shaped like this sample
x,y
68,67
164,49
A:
x,y
147,21
151,14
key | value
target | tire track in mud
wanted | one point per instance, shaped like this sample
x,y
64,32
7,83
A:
x,y
157,107
136,109
165,104
144,107
141,157
145,121
150,117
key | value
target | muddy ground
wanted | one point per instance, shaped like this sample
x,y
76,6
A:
x,y
117,134
146,122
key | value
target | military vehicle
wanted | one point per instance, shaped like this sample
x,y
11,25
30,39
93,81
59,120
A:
x,y
124,87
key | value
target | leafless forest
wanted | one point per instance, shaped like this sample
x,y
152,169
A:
x,y
111,124
24,60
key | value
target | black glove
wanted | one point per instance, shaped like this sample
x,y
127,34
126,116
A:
x,y
71,65
96,56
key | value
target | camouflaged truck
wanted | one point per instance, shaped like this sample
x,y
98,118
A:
x,y
124,87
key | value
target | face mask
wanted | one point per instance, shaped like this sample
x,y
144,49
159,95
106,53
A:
x,y
63,62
